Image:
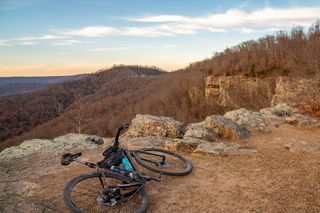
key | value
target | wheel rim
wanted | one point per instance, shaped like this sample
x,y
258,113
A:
x,y
171,163
89,196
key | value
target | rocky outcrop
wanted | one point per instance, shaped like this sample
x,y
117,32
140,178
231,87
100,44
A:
x,y
205,137
250,119
292,91
55,146
197,130
286,114
238,91
242,91
225,127
148,125
267,118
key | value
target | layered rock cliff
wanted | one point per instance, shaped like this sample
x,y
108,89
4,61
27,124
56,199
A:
x,y
242,91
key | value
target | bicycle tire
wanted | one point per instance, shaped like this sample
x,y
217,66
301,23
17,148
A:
x,y
67,193
185,162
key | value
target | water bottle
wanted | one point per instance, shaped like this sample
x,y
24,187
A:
x,y
126,164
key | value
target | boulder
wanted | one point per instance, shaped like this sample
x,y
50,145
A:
x,y
226,127
286,114
197,130
148,141
224,148
249,119
24,149
303,120
281,109
149,125
186,144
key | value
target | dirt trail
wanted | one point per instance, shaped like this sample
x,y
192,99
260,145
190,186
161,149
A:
x,y
278,178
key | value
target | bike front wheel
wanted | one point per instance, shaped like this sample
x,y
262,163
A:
x,y
94,192
163,161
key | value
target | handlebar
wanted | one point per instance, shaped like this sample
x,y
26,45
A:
x,y
116,139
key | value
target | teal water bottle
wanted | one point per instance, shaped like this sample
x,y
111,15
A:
x,y
126,164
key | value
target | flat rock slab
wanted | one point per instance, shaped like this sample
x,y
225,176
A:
x,y
224,148
54,147
225,127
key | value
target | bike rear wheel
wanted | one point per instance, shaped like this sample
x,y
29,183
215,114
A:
x,y
88,193
163,161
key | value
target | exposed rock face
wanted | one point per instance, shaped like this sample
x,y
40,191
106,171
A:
x,y
55,146
197,130
238,91
148,125
225,127
224,148
293,91
241,91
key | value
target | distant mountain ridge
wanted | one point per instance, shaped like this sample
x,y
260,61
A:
x,y
15,85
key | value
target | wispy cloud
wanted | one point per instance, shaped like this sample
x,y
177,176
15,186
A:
x,y
261,20
4,42
172,25
245,30
68,42
42,37
91,31
149,31
217,30
112,49
171,45
219,22
28,43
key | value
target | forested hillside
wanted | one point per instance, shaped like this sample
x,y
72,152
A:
x,y
293,54
100,102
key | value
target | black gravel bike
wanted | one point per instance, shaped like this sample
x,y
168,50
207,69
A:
x,y
118,185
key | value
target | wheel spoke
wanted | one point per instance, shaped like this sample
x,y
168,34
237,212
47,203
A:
x,y
163,161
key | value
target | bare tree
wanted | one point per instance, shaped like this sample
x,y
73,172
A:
x,y
77,116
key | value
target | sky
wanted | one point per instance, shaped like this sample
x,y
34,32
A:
x,y
58,37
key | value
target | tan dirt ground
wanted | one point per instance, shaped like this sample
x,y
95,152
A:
x,y
275,179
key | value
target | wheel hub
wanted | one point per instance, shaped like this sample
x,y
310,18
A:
x,y
110,196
